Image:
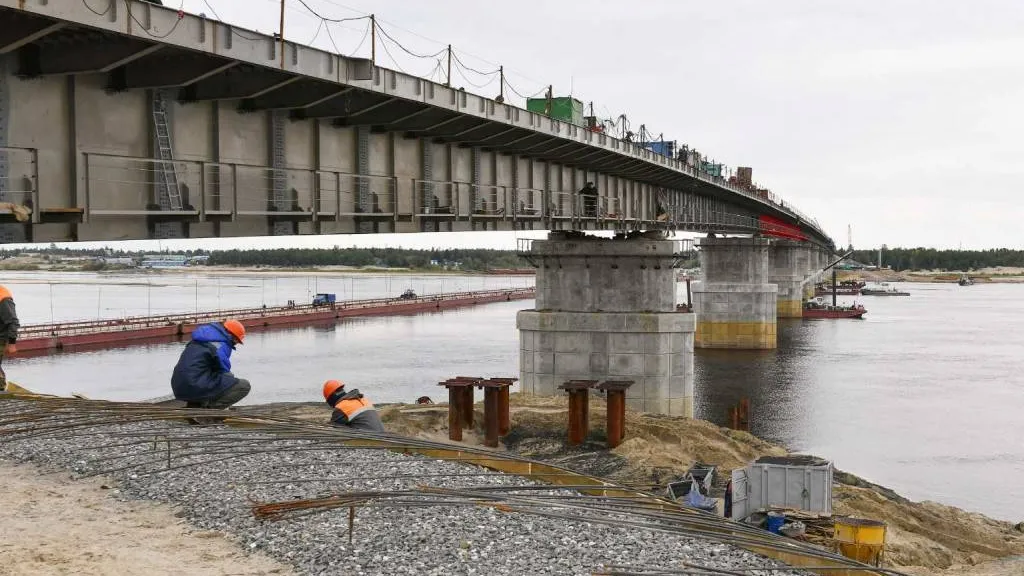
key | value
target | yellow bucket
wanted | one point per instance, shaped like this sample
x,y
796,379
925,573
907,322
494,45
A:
x,y
860,539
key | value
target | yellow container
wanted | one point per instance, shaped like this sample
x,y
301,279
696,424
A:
x,y
860,539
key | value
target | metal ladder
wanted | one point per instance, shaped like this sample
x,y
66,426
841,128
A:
x,y
171,200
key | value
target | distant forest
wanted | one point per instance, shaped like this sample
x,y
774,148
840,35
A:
x,y
483,260
931,259
462,259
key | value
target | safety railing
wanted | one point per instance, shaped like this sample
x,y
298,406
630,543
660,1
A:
x,y
528,203
119,185
490,201
19,182
122,185
562,204
343,195
126,185
439,199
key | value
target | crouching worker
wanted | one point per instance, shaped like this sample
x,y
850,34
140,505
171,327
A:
x,y
351,408
203,377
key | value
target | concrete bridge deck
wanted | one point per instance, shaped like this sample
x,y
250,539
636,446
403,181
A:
x,y
276,138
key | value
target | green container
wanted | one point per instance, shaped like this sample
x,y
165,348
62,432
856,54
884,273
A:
x,y
564,109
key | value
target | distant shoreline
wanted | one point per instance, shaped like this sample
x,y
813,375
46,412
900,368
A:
x,y
223,270
984,276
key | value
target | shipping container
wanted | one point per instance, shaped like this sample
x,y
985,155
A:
x,y
564,109
744,175
798,482
712,169
662,147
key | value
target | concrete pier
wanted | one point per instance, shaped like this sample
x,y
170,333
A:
x,y
789,264
735,301
606,310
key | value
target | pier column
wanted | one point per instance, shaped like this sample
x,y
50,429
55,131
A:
x,y
606,310
814,266
735,303
789,263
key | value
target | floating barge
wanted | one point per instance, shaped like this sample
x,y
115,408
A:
x,y
42,339
821,310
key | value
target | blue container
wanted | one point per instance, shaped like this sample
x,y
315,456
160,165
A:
x,y
775,522
665,148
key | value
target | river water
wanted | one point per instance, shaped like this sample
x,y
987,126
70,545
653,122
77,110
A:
x,y
924,395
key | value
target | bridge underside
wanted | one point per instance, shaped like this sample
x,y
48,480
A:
x,y
252,150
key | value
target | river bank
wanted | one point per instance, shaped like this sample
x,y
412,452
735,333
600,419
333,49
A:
x,y
925,537
1000,275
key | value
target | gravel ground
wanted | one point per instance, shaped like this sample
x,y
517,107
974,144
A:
x,y
439,539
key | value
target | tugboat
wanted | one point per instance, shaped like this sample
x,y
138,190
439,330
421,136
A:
x,y
818,309
884,290
965,280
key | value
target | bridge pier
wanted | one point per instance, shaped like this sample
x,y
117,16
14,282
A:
x,y
735,301
789,263
606,310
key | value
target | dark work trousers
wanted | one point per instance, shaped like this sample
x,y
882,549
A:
x,y
3,375
229,397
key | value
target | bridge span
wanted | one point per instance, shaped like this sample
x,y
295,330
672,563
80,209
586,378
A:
x,y
127,120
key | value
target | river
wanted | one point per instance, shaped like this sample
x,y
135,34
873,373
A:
x,y
923,395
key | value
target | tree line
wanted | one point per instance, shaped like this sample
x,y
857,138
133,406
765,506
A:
x,y
461,259
932,259
484,259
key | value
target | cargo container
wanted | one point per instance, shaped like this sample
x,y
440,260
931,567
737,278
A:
x,y
564,109
712,169
662,147
744,175
797,482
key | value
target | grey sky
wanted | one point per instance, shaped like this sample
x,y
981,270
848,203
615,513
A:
x,y
901,118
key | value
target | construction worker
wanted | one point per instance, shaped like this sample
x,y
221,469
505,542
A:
x,y
8,331
203,377
351,408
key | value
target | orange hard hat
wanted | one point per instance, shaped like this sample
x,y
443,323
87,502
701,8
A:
x,y
235,328
330,387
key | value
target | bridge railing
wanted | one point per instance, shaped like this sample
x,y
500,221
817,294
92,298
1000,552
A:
x,y
19,178
123,185
442,199
491,201
528,203
127,185
120,185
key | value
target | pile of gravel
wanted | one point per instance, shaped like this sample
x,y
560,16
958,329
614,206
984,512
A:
x,y
218,493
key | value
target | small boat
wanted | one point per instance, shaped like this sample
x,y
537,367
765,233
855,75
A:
x,y
890,291
965,280
819,309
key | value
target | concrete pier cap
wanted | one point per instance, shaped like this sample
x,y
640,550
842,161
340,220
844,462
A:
x,y
606,310
735,299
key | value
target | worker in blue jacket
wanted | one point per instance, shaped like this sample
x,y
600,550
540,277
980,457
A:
x,y
203,377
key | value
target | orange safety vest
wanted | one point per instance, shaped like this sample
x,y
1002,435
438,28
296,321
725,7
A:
x,y
5,293
352,407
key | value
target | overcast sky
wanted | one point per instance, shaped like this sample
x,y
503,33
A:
x,y
900,118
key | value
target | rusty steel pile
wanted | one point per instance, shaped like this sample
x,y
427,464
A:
x,y
322,498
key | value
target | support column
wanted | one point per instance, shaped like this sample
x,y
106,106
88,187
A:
x,y
735,303
606,310
788,264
